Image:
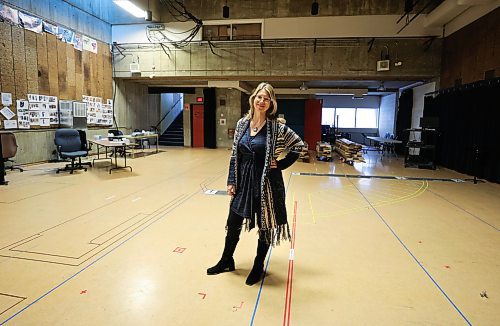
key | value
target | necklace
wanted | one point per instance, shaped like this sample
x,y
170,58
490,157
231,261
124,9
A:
x,y
254,129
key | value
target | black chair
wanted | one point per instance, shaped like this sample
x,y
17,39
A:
x,y
9,149
69,146
85,145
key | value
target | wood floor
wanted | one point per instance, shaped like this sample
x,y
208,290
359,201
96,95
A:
x,y
132,248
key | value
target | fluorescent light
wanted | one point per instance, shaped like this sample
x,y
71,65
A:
x,y
131,8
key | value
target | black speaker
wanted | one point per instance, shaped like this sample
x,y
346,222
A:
x,y
225,11
314,8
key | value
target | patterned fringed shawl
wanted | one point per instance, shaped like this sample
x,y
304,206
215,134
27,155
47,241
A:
x,y
273,210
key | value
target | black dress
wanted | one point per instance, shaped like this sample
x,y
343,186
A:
x,y
251,152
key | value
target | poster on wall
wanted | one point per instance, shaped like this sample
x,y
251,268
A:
x,y
7,99
89,44
50,28
23,118
65,35
30,23
10,124
7,113
8,14
77,41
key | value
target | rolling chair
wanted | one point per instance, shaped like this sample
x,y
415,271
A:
x,y
85,146
9,150
69,146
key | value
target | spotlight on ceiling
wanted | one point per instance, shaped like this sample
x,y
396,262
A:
x,y
225,11
303,87
314,8
381,88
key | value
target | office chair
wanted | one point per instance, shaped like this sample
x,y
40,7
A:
x,y
85,146
9,149
70,146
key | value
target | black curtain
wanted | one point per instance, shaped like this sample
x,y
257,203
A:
x,y
469,116
403,118
209,119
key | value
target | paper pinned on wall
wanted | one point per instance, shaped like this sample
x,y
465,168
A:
x,y
23,118
7,113
31,23
50,28
10,124
10,15
7,99
89,44
77,41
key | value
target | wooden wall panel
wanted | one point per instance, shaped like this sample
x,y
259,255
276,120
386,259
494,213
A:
x,y
470,52
86,73
108,71
20,80
43,65
6,60
100,75
31,62
78,75
52,62
62,71
93,74
70,75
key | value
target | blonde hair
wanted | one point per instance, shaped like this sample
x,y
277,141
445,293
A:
x,y
270,113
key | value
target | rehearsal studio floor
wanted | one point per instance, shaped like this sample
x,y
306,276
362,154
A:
x,y
132,248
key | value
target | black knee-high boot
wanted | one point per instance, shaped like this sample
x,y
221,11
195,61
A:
x,y
226,263
258,265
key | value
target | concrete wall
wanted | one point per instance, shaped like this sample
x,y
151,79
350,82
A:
x,y
212,9
134,107
231,111
333,59
89,17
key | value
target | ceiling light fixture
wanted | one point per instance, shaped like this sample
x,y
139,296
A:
x,y
131,8
303,87
314,8
225,11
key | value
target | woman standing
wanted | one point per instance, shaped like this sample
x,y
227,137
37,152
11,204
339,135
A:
x,y
255,182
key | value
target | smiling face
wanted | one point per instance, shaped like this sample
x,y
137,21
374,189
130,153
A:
x,y
262,102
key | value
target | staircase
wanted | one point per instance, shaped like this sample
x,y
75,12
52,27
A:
x,y
174,135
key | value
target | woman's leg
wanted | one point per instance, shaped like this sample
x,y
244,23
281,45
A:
x,y
258,265
226,263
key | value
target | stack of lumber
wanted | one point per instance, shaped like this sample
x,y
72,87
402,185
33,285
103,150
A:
x,y
349,150
304,153
323,151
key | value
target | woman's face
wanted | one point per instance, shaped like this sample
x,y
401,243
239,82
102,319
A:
x,y
262,101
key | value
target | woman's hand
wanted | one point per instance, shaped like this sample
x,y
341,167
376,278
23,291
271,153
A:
x,y
231,190
274,165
